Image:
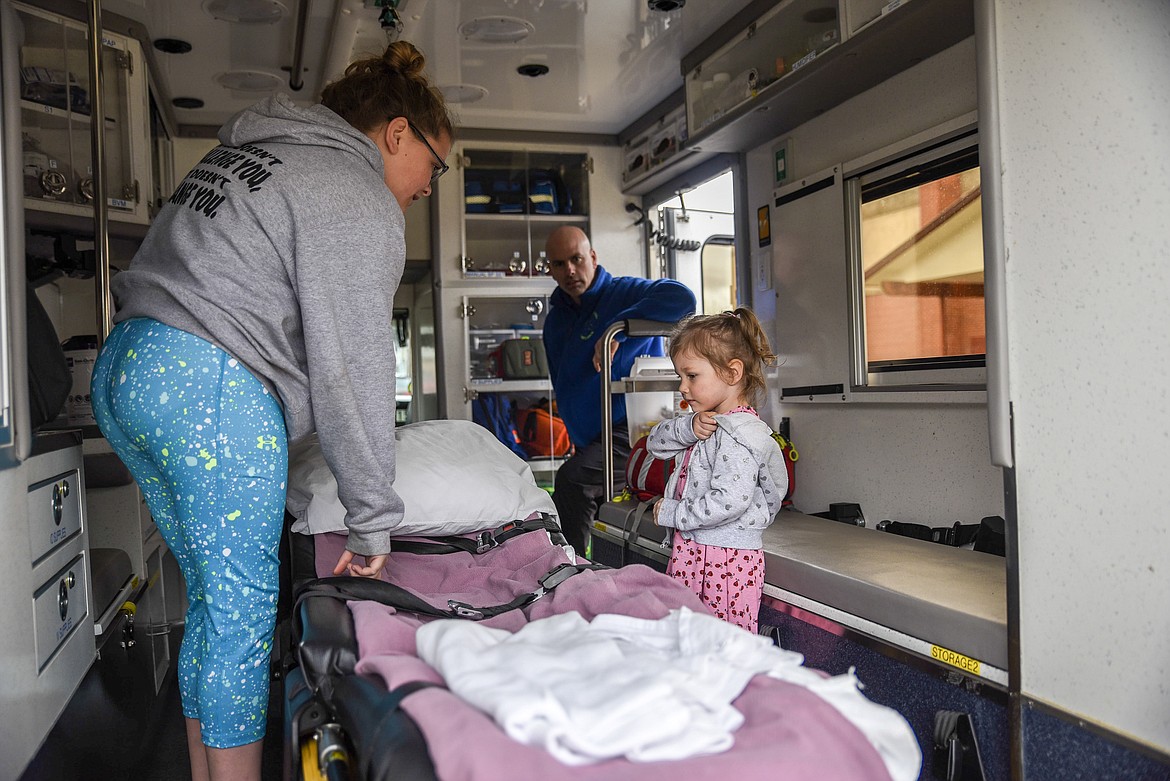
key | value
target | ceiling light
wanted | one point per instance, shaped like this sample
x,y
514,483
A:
x,y
172,45
665,6
532,69
245,11
463,93
249,81
187,103
497,29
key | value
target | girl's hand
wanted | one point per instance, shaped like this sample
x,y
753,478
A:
x,y
657,505
373,568
703,424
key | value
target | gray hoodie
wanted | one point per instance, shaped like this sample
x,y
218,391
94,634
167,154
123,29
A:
x,y
284,247
736,480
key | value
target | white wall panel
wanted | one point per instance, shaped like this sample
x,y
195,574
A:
x,y
914,462
1085,128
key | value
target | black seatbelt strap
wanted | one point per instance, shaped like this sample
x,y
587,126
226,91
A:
x,y
380,591
481,543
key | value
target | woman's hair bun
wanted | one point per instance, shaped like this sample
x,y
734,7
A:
x,y
403,57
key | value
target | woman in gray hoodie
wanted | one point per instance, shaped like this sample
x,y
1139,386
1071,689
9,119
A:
x,y
258,309
729,475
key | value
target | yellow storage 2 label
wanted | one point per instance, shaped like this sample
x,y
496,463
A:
x,y
946,656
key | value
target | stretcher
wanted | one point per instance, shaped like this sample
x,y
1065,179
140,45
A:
x,y
364,697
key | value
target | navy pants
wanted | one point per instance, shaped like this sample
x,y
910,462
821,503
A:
x,y
578,488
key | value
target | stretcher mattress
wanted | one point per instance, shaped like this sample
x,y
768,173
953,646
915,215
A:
x,y
801,724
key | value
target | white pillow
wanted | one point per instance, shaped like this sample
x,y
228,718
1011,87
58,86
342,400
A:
x,y
453,476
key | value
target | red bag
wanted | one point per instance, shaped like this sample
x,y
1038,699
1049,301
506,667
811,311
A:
x,y
646,475
542,433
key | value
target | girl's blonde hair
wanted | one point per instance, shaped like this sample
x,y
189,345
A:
x,y
722,338
375,90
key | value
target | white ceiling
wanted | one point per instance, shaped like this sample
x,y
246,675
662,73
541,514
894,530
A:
x,y
609,61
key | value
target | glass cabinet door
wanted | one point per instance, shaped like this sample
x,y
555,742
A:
x,y
122,187
493,321
512,202
55,110
779,43
56,99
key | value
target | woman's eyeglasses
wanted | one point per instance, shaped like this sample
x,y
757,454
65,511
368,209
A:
x,y
439,169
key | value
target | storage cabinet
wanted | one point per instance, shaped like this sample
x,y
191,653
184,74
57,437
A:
x,y
512,201
48,586
800,58
507,370
493,286
56,102
654,148
779,43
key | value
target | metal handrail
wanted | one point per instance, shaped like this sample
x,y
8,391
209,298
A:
x,y
630,328
101,222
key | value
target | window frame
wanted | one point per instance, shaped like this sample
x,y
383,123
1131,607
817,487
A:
x,y
943,373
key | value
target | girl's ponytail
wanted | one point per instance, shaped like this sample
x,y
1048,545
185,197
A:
x,y
725,337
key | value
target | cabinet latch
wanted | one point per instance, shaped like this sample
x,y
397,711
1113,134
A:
x,y
470,394
466,311
125,61
588,164
130,191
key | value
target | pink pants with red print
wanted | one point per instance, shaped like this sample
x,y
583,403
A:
x,y
730,581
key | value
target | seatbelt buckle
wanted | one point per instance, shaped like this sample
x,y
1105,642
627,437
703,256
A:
x,y
558,575
484,542
464,610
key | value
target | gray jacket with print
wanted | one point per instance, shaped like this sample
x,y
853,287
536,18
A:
x,y
736,480
284,246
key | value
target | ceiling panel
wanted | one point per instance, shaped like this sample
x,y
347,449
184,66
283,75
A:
x,y
609,61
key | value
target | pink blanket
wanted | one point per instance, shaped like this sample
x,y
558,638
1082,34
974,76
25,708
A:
x,y
789,732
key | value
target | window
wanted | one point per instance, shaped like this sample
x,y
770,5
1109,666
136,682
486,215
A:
x,y
917,248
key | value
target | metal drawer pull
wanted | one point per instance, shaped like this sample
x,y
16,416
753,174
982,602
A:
x,y
60,491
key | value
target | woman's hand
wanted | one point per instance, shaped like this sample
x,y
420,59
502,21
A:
x,y
704,425
657,506
373,568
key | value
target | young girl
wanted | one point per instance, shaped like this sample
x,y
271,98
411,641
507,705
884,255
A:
x,y
729,477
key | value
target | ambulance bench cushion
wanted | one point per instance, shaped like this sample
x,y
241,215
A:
x,y
453,476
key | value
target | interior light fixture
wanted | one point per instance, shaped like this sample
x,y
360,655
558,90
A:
x,y
532,69
249,81
187,103
665,6
245,11
172,45
463,93
497,29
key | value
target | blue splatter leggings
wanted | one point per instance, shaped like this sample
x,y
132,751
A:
x,y
206,443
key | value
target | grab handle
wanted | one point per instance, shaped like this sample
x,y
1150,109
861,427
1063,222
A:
x,y
638,328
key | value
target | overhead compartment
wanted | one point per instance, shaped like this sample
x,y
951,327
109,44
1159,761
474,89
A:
x,y
777,65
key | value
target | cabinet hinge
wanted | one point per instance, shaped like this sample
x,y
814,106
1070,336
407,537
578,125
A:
x,y
469,394
466,311
125,61
462,161
588,164
751,32
130,191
